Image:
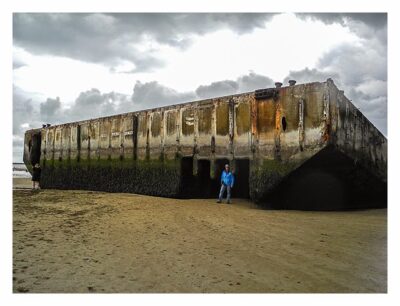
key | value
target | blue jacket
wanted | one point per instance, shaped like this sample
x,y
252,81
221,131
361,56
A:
x,y
227,178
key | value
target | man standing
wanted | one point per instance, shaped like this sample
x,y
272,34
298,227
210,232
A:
x,y
227,180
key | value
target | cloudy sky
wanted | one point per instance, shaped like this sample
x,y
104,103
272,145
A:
x,y
70,67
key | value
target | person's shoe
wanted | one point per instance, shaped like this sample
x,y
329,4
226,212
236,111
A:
x,y
218,201
228,202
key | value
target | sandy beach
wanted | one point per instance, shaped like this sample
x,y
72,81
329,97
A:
x,y
82,241
22,183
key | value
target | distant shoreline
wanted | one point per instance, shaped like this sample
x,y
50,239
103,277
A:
x,y
20,171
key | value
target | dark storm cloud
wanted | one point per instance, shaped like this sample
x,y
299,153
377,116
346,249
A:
x,y
89,104
173,28
356,63
253,81
366,25
244,83
374,20
92,104
111,39
93,38
153,94
50,109
216,89
307,75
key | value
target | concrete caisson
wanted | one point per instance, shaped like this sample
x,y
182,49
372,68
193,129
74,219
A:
x,y
302,146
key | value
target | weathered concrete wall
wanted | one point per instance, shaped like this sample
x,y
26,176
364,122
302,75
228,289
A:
x,y
353,134
165,151
348,163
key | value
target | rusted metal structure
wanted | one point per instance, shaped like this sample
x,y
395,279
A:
x,y
297,147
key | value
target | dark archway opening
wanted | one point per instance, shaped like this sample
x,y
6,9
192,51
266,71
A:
x,y
204,181
188,183
203,186
241,186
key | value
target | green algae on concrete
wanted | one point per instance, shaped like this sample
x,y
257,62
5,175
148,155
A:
x,y
266,175
153,177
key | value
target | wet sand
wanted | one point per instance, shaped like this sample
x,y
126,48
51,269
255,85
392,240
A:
x,y
22,183
82,241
